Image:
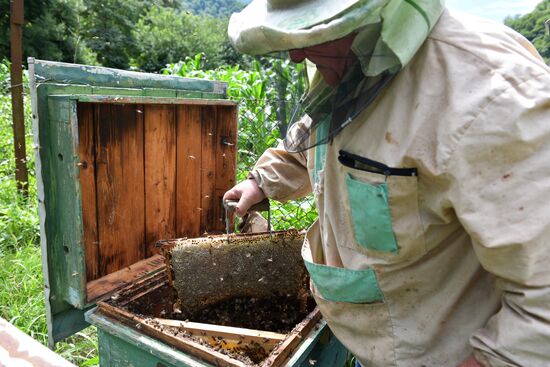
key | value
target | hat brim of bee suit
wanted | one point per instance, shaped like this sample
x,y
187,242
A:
x,y
266,26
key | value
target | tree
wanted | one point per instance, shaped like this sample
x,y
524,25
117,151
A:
x,y
53,31
109,25
164,36
218,8
531,26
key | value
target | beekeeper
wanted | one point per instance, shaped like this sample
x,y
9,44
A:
x,y
426,143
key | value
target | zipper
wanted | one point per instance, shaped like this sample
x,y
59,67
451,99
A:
x,y
364,164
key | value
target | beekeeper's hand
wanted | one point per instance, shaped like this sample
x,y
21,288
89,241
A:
x,y
247,192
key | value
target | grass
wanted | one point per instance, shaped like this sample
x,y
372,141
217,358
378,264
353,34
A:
x,y
21,293
22,304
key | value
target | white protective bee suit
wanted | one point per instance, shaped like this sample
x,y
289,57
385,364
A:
x,y
433,237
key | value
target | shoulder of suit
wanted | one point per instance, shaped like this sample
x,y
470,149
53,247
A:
x,y
463,38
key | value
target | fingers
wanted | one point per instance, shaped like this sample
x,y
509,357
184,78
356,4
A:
x,y
244,204
232,194
247,193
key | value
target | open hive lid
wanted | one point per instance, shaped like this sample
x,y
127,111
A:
x,y
123,159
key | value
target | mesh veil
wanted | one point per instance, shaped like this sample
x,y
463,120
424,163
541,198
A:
x,y
333,108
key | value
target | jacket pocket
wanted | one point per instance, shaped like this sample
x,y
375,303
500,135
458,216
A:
x,y
383,208
338,284
345,285
370,215
351,302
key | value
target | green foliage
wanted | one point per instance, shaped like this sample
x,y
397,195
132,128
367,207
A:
x,y
109,25
142,34
532,27
22,290
163,36
266,92
217,8
53,31
4,77
22,304
18,218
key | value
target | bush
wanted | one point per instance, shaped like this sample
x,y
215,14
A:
x,y
164,35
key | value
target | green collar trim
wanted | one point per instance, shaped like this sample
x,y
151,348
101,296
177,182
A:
x,y
405,26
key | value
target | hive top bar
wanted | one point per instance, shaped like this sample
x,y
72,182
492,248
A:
x,y
212,269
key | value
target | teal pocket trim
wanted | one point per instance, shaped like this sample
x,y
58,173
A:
x,y
345,285
370,213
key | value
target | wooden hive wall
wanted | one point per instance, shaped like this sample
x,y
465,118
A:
x,y
150,172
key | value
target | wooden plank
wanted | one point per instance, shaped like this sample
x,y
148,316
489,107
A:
x,y
111,332
120,99
226,160
279,356
231,339
117,91
188,171
208,169
86,148
224,331
219,214
226,140
160,174
186,345
105,285
106,77
120,186
145,282
66,252
188,94
116,351
158,92
319,345
19,349
59,202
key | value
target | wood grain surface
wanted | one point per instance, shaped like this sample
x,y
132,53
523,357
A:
x,y
120,186
160,174
88,188
189,152
208,168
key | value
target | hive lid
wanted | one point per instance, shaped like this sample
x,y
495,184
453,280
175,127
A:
x,y
57,91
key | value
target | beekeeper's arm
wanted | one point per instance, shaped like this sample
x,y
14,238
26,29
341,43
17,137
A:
x,y
278,174
500,174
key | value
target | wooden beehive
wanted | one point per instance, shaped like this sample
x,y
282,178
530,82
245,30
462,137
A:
x,y
150,305
124,159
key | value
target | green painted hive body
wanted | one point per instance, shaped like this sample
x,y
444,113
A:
x,y
123,159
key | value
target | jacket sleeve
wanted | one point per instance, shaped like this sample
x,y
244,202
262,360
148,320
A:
x,y
500,191
282,175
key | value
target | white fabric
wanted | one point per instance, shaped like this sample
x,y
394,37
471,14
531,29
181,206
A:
x,y
471,111
395,29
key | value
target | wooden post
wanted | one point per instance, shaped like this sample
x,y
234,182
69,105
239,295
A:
x,y
16,31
